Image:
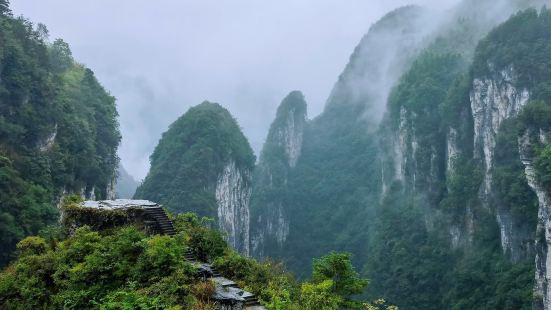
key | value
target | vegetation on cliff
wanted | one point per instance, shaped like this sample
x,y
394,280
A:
x,y
190,157
429,241
58,130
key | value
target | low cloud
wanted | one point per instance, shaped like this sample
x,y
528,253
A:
x,y
160,58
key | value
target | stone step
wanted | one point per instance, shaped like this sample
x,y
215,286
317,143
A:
x,y
224,282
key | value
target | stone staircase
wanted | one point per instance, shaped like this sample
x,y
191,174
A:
x,y
162,222
227,288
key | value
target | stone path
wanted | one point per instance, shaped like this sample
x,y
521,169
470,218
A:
x,y
228,295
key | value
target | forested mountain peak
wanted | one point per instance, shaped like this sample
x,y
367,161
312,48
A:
x,y
203,164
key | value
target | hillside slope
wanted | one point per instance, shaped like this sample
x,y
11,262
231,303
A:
x,y
58,130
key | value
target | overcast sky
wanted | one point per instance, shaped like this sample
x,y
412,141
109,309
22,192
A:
x,y
158,58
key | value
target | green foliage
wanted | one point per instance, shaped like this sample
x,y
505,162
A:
x,y
267,280
535,115
426,98
521,43
379,304
333,283
123,268
191,155
25,208
207,244
463,184
425,87
330,190
319,296
429,243
485,280
543,166
117,270
58,130
407,264
131,299
31,246
337,268
509,178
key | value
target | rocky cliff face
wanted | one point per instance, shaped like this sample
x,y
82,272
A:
x,y
446,151
493,101
281,152
542,291
233,194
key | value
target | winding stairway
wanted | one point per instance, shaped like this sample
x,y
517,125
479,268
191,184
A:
x,y
163,225
162,222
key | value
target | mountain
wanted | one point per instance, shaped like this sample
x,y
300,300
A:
x,y
283,147
315,203
204,164
58,130
429,163
126,184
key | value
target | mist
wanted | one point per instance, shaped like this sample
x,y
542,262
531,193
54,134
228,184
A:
x,y
159,60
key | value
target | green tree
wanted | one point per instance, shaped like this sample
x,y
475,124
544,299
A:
x,y
338,268
61,57
319,296
543,164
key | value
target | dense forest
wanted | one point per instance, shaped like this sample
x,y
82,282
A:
x,y
58,130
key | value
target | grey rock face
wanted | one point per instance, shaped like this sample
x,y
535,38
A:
x,y
492,102
542,289
280,155
233,194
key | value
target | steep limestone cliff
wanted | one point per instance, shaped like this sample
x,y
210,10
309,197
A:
x,y
527,143
233,193
493,100
438,187
280,154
